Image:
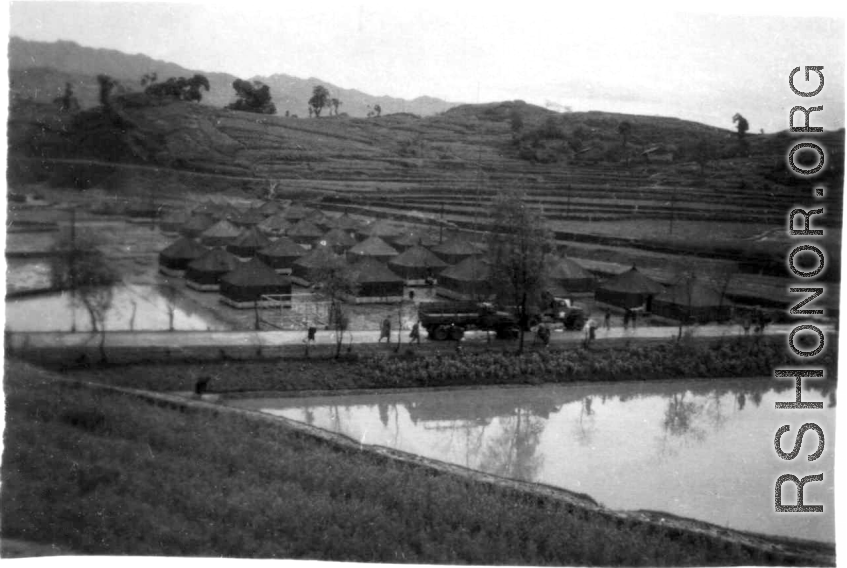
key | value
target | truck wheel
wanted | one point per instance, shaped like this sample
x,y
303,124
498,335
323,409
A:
x,y
440,333
456,333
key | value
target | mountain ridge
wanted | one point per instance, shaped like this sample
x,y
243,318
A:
x,y
79,65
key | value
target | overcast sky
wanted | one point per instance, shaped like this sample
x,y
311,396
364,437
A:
x,y
699,66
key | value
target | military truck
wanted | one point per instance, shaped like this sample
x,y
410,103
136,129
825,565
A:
x,y
450,320
559,310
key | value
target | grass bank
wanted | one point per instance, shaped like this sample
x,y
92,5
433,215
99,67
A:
x,y
736,357
100,472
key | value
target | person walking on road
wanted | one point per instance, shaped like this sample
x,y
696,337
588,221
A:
x,y
634,318
415,334
385,331
607,319
626,317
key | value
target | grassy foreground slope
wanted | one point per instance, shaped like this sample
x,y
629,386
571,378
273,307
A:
x,y
107,473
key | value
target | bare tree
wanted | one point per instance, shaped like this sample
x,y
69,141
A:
x,y
337,280
518,244
83,268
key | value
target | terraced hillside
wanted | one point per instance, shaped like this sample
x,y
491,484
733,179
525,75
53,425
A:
x,y
447,168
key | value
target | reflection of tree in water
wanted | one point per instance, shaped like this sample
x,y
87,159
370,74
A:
x,y
740,400
512,452
309,415
679,424
585,424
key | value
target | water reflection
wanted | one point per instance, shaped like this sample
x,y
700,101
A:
x,y
134,308
702,449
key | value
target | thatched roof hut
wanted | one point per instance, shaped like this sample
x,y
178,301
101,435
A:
x,y
174,259
456,250
251,282
281,255
416,264
468,280
220,234
630,289
376,283
690,299
248,243
372,247
205,273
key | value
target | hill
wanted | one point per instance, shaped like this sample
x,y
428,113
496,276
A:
x,y
39,71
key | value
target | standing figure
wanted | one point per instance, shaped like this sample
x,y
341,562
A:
x,y
634,318
607,319
626,317
415,334
385,331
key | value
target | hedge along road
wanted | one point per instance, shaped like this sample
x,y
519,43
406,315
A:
x,y
125,346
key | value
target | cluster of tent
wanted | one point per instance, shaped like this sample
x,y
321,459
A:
x,y
250,254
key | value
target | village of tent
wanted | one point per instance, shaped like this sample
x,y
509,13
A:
x,y
220,234
175,258
304,233
690,300
568,276
281,255
455,250
195,225
416,265
275,225
375,283
248,243
255,284
338,240
630,289
205,273
467,280
347,223
305,267
372,247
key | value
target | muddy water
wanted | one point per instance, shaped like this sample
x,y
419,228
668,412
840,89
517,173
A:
x,y
140,308
700,449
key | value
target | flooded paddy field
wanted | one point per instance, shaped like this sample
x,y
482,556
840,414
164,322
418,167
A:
x,y
699,448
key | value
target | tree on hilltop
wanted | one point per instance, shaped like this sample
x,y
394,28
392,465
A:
x,y
743,125
178,88
335,104
252,97
107,84
320,100
377,109
67,102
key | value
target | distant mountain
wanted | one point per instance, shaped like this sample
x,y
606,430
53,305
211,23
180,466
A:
x,y
39,70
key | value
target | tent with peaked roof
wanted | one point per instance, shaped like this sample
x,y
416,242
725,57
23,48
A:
x,y
416,264
205,273
690,299
372,247
319,219
375,283
251,282
297,213
248,243
172,221
568,275
281,254
303,269
468,280
269,208
380,228
304,233
275,225
196,224
248,218
220,234
338,240
630,289
174,259
455,250
347,223
411,239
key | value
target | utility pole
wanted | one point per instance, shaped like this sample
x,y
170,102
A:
x,y
72,260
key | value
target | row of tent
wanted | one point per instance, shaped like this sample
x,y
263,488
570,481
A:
x,y
281,240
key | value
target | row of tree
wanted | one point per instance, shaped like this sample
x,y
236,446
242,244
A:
x,y
251,96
